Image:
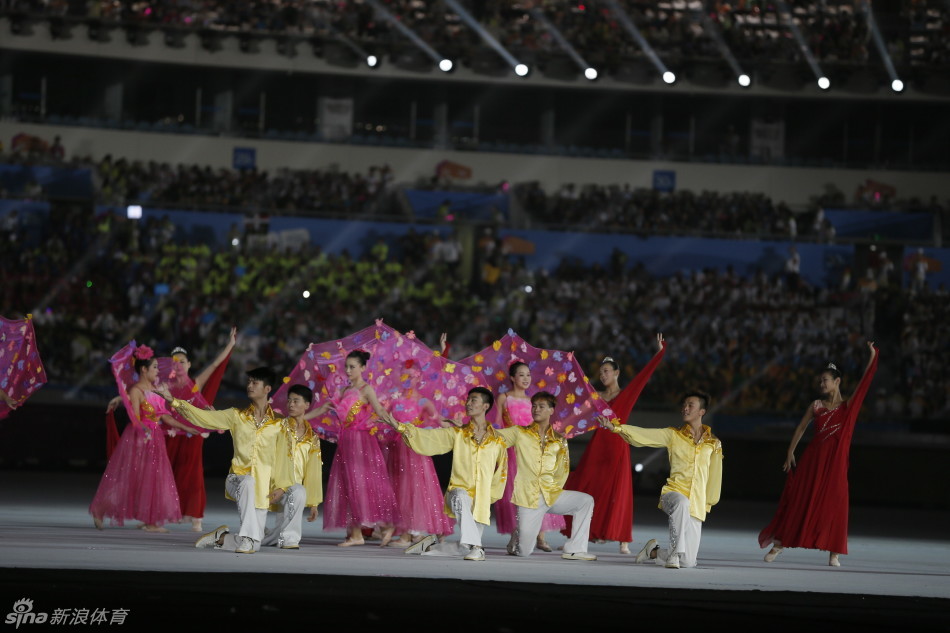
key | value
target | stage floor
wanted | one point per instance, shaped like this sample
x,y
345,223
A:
x,y
897,573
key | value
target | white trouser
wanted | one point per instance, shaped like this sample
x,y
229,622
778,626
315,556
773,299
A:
x,y
470,531
579,505
685,530
289,527
253,519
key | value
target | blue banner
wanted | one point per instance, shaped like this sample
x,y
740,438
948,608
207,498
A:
x,y
890,224
470,206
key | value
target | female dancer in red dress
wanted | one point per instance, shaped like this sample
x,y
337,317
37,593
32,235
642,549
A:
x,y
185,450
813,510
604,470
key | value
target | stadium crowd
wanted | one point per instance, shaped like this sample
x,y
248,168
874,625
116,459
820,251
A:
x,y
755,31
330,191
755,342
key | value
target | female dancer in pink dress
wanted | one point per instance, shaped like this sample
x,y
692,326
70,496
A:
x,y
515,409
813,510
419,500
186,450
359,491
138,482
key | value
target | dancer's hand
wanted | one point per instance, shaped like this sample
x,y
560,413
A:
x,y
443,341
789,463
313,514
205,435
660,342
606,423
113,404
163,391
276,494
872,349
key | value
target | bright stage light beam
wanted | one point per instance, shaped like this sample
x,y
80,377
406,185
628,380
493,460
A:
x,y
408,33
896,84
589,72
634,32
520,69
786,15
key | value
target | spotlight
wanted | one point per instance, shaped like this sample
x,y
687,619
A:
x,y
235,242
590,73
824,83
306,294
521,70
897,85
133,212
745,80
372,61
638,468
669,77
528,289
446,65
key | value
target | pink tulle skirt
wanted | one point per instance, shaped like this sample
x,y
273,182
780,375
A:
x,y
138,483
359,491
420,504
506,513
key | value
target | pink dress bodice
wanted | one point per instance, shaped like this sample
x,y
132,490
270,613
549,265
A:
x,y
353,412
518,411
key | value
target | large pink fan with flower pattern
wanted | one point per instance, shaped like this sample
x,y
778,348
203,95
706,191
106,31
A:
x,y
322,369
417,385
554,371
21,369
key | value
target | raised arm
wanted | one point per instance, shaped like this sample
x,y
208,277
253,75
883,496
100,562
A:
x,y
796,438
623,404
204,375
857,398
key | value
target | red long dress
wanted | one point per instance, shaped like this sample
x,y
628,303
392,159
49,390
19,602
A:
x,y
186,454
604,471
813,510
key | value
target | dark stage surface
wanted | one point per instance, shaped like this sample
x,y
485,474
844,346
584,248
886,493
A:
x,y
897,576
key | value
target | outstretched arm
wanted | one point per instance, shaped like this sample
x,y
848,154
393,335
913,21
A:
x,y
316,413
796,438
172,422
204,375
218,420
114,404
370,394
